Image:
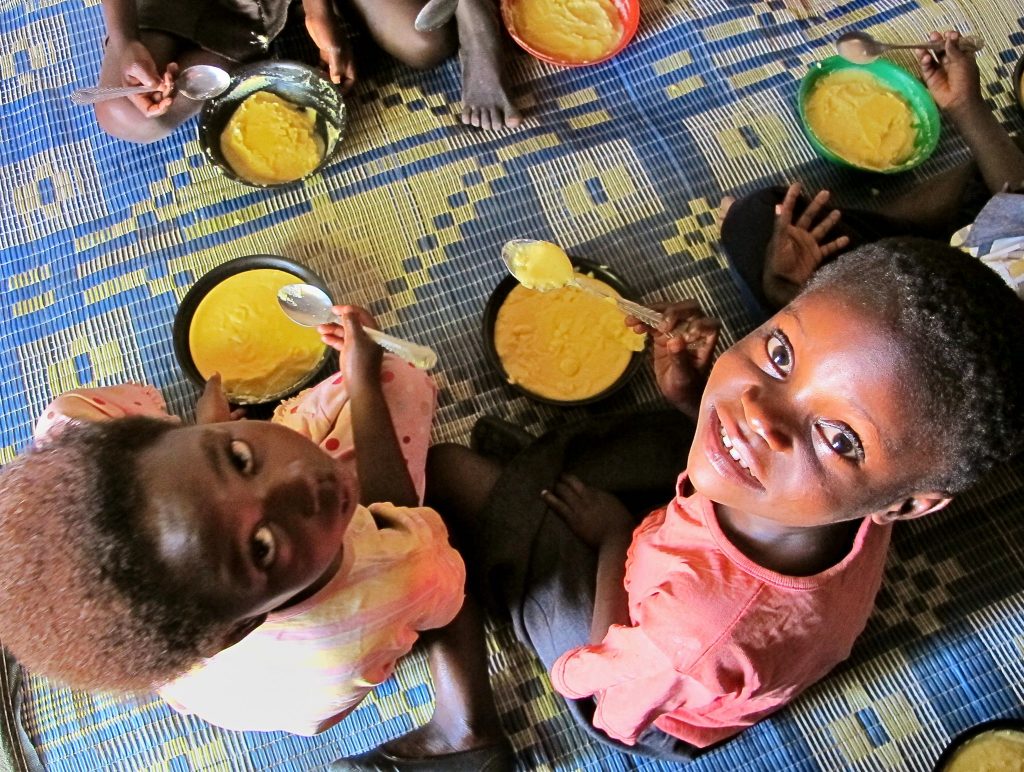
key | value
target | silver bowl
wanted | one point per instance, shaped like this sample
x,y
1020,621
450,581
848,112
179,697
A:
x,y
298,83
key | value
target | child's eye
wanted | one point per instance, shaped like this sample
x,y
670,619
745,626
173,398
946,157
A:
x,y
241,456
842,440
780,352
264,547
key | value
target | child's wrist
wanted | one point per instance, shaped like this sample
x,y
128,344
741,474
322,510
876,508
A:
x,y
967,110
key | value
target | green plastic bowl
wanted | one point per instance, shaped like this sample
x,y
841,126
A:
x,y
926,114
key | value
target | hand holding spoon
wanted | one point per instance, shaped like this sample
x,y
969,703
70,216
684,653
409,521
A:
x,y
310,306
861,48
200,81
543,266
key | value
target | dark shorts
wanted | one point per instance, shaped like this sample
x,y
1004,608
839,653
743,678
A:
x,y
524,559
239,30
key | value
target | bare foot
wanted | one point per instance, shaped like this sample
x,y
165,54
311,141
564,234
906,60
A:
x,y
724,206
485,100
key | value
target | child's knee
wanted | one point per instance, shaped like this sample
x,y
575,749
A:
x,y
119,118
424,51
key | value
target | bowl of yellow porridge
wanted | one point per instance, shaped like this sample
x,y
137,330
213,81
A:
x,y
276,124
992,746
571,33
563,346
229,322
876,117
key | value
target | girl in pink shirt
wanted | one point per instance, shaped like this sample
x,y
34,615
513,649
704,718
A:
x,y
890,384
230,563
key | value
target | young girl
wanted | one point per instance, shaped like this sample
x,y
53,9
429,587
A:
x,y
775,239
886,387
150,41
229,563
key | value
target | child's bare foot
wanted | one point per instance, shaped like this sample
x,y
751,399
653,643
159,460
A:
x,y
426,747
485,100
724,206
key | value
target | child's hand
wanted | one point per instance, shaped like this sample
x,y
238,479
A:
x,y
797,249
136,67
593,515
359,357
335,52
682,361
212,406
951,75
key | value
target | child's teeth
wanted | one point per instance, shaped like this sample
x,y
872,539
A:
x,y
732,451
725,439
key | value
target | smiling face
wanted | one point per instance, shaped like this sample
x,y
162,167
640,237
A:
x,y
805,421
251,512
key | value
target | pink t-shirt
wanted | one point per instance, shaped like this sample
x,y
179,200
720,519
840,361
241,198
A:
x,y
717,642
305,668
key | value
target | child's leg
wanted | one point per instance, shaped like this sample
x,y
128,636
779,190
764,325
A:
x,y
390,23
465,719
485,99
121,119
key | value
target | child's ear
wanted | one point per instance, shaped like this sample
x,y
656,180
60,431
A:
x,y
918,505
235,633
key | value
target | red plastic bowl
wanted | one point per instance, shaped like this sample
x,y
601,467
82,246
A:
x,y
629,13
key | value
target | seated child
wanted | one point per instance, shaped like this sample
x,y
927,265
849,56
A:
x,y
885,388
229,564
775,239
150,41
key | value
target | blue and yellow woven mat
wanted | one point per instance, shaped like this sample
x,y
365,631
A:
x,y
622,163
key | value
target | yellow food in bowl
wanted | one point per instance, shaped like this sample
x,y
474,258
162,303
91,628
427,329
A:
x,y
853,114
239,330
575,31
998,750
269,140
540,265
564,345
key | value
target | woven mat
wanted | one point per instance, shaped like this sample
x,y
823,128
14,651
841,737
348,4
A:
x,y
622,163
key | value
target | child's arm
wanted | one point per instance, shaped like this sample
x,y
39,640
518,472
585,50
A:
x,y
954,82
380,466
601,522
134,62
322,24
682,361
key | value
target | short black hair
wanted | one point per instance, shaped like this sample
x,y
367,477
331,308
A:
x,y
84,599
960,329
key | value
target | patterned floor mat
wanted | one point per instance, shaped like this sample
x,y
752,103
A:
x,y
622,163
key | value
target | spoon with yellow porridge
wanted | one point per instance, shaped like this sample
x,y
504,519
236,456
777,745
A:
x,y
543,266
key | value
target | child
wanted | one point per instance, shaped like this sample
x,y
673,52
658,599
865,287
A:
x,y
775,241
150,41
886,387
228,563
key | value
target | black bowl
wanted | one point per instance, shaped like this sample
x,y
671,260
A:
x,y
299,84
509,283
209,280
1015,724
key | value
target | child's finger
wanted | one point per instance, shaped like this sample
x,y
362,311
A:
x,y
834,246
553,501
813,210
237,414
827,223
952,48
784,211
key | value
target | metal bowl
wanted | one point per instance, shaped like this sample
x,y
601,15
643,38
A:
x,y
490,318
209,280
299,84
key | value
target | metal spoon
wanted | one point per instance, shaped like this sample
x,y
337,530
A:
x,y
860,48
200,81
309,306
435,14
648,316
